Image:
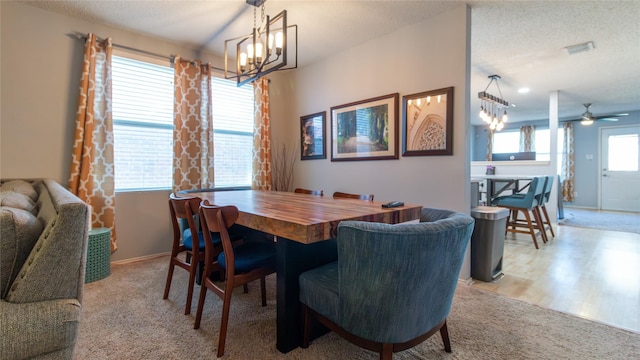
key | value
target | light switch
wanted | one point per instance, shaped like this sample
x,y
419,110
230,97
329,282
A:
x,y
589,156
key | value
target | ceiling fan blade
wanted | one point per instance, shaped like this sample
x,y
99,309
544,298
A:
x,y
607,118
611,115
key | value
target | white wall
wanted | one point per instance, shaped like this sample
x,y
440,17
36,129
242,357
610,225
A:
x,y
39,84
406,62
427,56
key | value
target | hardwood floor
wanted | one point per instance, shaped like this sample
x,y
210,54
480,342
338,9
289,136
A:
x,y
594,274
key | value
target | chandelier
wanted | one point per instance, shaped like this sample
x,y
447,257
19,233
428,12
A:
x,y
265,50
492,107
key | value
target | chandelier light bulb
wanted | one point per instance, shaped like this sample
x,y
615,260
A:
x,y
243,61
279,42
258,52
270,42
499,126
439,99
428,100
481,114
505,118
250,53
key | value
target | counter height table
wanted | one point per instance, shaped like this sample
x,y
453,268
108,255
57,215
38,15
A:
x,y
497,184
302,224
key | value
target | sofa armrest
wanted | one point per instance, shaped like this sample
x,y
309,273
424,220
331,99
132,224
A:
x,y
55,267
38,328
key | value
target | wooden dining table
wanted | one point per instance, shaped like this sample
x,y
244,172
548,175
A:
x,y
305,227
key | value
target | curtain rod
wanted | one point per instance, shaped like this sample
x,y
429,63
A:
x,y
171,57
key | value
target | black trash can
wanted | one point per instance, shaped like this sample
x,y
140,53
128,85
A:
x,y
487,242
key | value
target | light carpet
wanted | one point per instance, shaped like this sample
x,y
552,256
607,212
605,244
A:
x,y
125,317
604,220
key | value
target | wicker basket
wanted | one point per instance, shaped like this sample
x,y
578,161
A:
x,y
98,255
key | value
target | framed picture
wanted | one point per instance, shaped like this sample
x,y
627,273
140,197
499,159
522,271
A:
x,y
312,144
427,120
365,130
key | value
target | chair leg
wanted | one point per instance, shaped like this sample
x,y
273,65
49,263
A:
x,y
444,333
226,305
169,278
531,228
539,223
548,220
192,279
203,295
386,353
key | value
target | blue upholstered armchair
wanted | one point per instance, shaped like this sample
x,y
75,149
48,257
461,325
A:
x,y
392,285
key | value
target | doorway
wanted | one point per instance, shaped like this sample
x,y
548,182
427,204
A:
x,y
620,168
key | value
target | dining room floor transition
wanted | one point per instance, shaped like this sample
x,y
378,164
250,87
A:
x,y
590,273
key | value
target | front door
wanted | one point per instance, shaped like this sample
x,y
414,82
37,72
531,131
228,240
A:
x,y
620,175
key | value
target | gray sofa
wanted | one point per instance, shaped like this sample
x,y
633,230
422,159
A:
x,y
43,243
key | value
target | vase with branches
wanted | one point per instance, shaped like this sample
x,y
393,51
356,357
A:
x,y
283,157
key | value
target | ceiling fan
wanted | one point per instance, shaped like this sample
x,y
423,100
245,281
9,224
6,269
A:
x,y
588,118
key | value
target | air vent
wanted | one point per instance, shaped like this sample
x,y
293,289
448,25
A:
x,y
578,48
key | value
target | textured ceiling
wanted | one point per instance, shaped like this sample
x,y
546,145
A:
x,y
522,41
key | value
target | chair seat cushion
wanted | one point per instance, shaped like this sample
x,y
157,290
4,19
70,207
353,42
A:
x,y
319,290
250,256
514,201
187,239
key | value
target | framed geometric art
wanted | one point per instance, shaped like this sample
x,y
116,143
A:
x,y
427,119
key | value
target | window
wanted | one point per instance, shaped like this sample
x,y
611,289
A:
x,y
142,124
509,142
143,127
232,133
623,152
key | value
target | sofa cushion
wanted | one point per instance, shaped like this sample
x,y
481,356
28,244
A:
x,y
20,230
18,201
21,187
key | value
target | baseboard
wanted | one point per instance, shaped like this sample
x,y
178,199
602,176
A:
x,y
141,258
580,207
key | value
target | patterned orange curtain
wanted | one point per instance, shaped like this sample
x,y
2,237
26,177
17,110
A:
x,y
488,155
261,179
193,126
528,138
92,172
568,164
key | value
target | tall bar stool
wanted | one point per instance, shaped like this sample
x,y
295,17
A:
x,y
545,199
541,208
527,205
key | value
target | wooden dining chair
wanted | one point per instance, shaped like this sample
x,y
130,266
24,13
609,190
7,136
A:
x,y
241,264
307,191
185,253
342,195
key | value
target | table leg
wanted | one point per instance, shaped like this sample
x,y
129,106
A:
x,y
294,258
